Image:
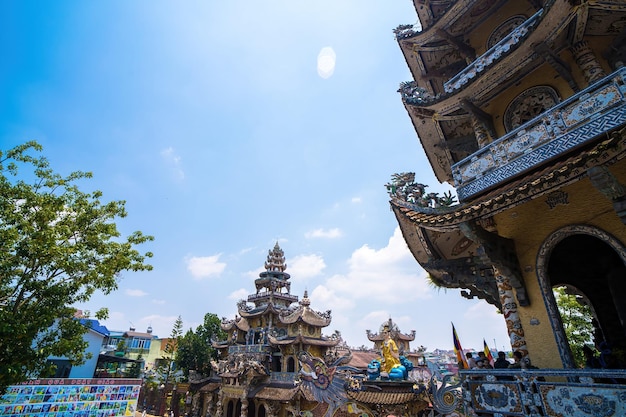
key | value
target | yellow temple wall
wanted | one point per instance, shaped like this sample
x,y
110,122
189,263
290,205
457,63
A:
x,y
478,38
543,75
586,206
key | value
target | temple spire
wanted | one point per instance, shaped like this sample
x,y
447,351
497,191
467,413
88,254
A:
x,y
276,260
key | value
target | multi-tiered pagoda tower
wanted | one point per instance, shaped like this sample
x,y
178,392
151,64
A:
x,y
520,106
275,362
268,340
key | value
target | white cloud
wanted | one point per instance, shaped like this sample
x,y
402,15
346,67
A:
x,y
136,293
303,267
240,294
356,200
158,301
330,233
327,299
482,310
174,162
254,274
161,325
386,275
245,250
115,315
372,320
205,266
382,275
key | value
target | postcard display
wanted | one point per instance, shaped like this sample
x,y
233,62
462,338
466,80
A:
x,y
71,398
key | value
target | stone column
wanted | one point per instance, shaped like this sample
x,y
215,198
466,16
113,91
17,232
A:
x,y
509,310
482,135
218,407
587,61
209,405
244,407
272,409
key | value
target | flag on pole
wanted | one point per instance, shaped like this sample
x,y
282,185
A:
x,y
487,352
458,350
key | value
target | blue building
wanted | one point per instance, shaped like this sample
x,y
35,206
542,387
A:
x,y
95,336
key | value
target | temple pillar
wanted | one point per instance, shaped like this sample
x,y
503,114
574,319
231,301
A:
x,y
244,407
219,412
481,132
509,311
271,409
587,61
209,405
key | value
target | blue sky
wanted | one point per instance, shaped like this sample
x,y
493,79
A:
x,y
212,120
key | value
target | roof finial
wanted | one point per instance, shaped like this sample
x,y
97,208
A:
x,y
305,299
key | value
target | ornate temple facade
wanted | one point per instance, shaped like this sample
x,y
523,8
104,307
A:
x,y
521,107
275,362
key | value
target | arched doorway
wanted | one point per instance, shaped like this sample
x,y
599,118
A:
x,y
276,360
252,408
230,409
592,261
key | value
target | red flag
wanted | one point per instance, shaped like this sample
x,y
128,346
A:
x,y
487,352
458,350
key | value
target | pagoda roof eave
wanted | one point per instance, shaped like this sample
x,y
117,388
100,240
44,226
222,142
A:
x,y
277,393
269,308
481,86
220,345
418,223
307,316
389,394
240,323
498,64
516,192
304,340
454,13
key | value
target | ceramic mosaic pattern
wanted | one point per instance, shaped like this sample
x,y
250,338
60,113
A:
x,y
541,392
65,397
509,311
573,122
496,397
595,103
565,401
495,53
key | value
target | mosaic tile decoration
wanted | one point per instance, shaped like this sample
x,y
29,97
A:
x,y
66,397
577,120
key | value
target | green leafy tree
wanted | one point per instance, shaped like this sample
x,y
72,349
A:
x,y
165,370
195,350
576,318
121,348
57,246
134,370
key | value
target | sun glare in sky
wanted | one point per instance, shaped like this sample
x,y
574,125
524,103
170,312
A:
x,y
326,62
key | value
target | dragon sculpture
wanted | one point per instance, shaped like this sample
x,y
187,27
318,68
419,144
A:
x,y
325,382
